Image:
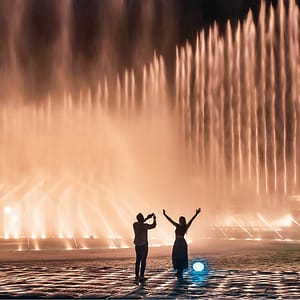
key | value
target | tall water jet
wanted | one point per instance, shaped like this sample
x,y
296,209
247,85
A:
x,y
11,75
256,130
81,163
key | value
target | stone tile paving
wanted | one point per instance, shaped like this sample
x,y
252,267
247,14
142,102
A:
x,y
115,279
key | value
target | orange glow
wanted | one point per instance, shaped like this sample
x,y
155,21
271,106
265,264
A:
x,y
7,210
81,163
154,245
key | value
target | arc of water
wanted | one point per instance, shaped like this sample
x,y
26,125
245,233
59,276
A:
x,y
281,46
202,100
231,104
262,93
126,93
273,96
197,101
239,99
144,87
106,94
132,92
293,19
63,53
255,112
118,96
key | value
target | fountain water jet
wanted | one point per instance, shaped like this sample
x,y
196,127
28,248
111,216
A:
x,y
81,165
249,92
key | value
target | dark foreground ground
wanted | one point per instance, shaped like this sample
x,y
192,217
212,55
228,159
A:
x,y
237,270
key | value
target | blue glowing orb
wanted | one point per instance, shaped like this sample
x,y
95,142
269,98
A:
x,y
198,266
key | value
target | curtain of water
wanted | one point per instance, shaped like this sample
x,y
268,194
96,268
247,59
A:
x,y
232,131
255,106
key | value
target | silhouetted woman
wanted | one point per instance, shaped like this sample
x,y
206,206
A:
x,y
180,249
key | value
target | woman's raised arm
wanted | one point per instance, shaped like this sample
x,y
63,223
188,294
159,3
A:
x,y
168,218
193,217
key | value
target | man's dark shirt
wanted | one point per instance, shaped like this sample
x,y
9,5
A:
x,y
140,232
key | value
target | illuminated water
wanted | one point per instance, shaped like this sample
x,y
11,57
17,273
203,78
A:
x,y
81,164
239,101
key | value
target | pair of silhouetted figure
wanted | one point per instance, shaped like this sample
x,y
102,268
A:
x,y
179,251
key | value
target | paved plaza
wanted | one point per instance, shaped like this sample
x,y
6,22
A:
x,y
114,278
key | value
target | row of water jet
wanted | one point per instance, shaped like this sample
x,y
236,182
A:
x,y
69,45
119,97
84,165
14,15
237,95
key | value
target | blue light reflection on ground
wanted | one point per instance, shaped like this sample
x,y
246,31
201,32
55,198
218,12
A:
x,y
199,271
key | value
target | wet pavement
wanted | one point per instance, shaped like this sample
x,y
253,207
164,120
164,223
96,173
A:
x,y
114,278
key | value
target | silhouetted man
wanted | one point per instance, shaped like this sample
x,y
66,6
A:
x,y
141,243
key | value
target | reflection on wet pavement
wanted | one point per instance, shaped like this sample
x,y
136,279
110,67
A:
x,y
115,279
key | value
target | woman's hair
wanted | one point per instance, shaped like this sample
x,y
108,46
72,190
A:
x,y
182,220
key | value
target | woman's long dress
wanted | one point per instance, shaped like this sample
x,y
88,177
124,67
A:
x,y
180,249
